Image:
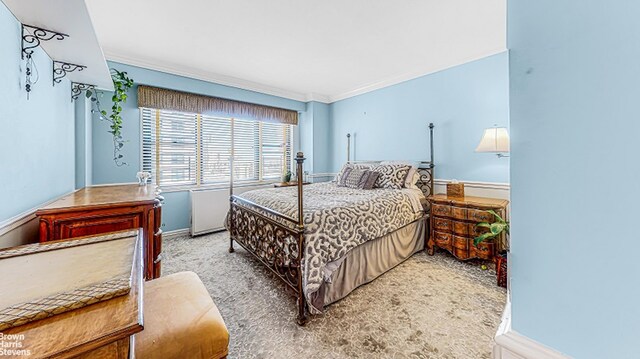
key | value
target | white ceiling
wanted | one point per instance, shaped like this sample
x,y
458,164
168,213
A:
x,y
322,50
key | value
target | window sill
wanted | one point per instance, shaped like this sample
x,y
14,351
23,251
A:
x,y
170,189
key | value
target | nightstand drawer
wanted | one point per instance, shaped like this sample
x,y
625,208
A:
x,y
484,250
459,213
441,210
461,253
442,239
479,216
460,242
442,224
461,228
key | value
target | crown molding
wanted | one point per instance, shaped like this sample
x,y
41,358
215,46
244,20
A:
x,y
209,77
275,91
394,80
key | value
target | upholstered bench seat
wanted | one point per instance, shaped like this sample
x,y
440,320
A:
x,y
180,320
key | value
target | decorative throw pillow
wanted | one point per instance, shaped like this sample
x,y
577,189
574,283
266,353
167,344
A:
x,y
350,166
411,177
369,179
358,178
391,176
352,177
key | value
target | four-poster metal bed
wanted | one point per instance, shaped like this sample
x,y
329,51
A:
x,y
278,240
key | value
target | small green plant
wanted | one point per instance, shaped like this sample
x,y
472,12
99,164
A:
x,y
286,176
122,84
495,228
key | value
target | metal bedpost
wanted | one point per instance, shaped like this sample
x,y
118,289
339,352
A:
x,y
302,303
431,164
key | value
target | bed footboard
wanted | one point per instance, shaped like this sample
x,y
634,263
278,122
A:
x,y
273,238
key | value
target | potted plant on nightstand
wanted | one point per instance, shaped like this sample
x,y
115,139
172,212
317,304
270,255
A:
x,y
495,229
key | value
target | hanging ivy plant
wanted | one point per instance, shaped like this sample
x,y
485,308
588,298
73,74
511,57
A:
x,y
122,84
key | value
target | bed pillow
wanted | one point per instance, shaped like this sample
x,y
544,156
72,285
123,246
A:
x,y
352,177
350,166
413,175
391,176
370,179
358,178
413,183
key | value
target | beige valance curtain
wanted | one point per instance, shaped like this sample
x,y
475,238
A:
x,y
164,99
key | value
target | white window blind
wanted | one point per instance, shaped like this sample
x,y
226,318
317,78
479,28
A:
x,y
181,149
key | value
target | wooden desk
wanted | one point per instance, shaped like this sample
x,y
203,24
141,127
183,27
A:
x,y
104,209
101,330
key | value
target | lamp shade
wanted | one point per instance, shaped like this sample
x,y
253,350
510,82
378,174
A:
x,y
495,139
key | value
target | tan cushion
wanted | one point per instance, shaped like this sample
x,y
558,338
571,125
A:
x,y
180,320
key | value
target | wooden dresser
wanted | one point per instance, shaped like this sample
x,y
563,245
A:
x,y
453,225
103,209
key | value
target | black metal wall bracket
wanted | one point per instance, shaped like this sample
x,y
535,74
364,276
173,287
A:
x,y
61,69
32,40
78,88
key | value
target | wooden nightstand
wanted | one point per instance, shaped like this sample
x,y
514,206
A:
x,y
453,225
288,184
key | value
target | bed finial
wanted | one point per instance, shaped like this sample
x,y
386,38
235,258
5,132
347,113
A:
x,y
348,147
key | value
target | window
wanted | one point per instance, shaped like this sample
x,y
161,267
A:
x,y
181,149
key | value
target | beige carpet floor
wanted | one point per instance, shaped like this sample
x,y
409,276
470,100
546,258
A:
x,y
427,307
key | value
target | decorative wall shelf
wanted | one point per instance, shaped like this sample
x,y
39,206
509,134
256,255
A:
x,y
70,21
77,89
61,69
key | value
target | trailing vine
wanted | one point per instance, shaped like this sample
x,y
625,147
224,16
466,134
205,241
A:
x,y
122,84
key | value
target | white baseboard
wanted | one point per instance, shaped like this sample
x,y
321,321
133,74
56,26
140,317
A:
x,y
175,233
513,345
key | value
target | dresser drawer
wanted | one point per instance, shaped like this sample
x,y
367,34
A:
x,y
442,239
458,212
441,210
477,215
461,228
442,224
484,250
461,253
460,242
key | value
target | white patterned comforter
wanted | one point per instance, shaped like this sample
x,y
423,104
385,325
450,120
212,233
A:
x,y
338,219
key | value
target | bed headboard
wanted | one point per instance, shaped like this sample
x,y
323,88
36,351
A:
x,y
425,168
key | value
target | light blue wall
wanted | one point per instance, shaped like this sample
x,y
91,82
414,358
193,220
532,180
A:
x,y
305,143
176,212
37,157
575,122
83,144
321,137
391,123
314,137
